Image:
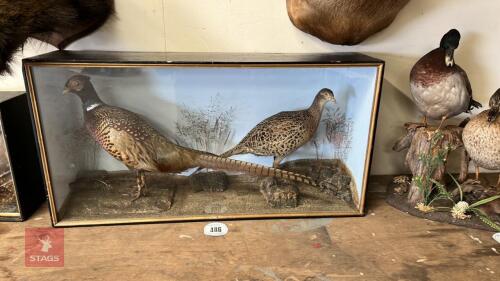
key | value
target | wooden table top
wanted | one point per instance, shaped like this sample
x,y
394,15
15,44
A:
x,y
384,245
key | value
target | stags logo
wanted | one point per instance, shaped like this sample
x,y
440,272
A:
x,y
44,247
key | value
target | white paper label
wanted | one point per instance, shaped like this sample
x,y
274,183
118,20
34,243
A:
x,y
496,236
215,229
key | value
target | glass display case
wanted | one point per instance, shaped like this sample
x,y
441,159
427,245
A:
x,y
150,137
21,184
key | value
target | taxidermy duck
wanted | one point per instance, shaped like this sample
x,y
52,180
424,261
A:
x,y
283,133
56,22
494,110
132,140
441,88
345,22
481,137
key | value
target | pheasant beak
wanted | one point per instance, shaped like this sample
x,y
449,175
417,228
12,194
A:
x,y
331,98
66,91
448,57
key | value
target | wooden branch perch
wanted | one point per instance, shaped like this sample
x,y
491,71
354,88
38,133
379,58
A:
x,y
419,140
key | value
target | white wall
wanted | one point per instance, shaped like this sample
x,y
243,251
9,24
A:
x,y
263,26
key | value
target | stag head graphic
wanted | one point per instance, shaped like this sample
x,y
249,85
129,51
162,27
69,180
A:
x,y
46,243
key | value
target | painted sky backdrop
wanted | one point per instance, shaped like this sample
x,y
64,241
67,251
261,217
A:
x,y
157,93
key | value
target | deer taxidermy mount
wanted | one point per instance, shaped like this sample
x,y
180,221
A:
x,y
56,22
344,22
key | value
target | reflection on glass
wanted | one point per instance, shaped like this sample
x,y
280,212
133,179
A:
x,y
211,110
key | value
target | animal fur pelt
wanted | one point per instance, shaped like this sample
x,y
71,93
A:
x,y
345,22
57,22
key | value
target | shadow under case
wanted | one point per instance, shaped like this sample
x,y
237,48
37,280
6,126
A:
x,y
150,137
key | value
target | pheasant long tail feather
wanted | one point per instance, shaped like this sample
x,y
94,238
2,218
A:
x,y
216,162
233,151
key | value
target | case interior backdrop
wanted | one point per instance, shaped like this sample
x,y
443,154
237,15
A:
x,y
263,26
158,93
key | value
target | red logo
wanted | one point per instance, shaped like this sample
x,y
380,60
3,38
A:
x,y
44,247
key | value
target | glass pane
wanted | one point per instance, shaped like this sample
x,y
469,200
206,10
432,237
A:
x,y
209,109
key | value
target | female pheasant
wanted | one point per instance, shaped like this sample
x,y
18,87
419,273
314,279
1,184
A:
x,y
134,142
283,133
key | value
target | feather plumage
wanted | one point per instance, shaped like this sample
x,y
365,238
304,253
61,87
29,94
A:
x,y
132,140
57,22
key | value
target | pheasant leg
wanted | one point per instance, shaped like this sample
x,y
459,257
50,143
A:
x,y
498,182
141,185
277,160
477,172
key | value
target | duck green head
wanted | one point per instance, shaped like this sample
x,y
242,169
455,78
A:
x,y
449,43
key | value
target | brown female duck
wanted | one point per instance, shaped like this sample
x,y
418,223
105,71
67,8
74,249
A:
x,y
481,137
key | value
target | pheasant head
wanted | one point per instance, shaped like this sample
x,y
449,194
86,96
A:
x,y
81,86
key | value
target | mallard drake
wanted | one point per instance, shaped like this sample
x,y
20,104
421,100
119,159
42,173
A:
x,y
441,88
481,137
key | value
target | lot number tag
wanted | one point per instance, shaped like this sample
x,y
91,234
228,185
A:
x,y
215,229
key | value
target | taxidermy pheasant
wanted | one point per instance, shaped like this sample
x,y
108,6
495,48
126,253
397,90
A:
x,y
481,137
57,22
283,133
441,88
134,142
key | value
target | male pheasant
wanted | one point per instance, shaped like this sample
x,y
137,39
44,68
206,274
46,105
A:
x,y
134,142
283,133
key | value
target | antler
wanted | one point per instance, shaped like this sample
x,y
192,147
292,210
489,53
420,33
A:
x,y
47,239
